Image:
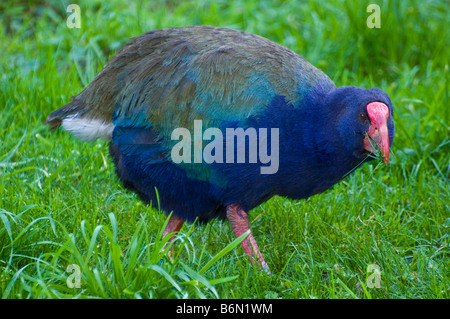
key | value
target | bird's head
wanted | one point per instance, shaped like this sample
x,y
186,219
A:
x,y
364,121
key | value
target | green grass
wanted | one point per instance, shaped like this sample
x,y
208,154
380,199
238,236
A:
x,y
61,203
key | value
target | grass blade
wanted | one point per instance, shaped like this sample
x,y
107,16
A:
x,y
166,275
224,251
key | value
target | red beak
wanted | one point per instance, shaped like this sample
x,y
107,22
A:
x,y
378,131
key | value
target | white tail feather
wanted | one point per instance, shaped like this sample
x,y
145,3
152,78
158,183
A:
x,y
88,130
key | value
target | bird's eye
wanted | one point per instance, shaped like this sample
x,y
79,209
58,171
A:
x,y
362,116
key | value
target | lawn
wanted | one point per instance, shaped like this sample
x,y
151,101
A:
x,y
61,203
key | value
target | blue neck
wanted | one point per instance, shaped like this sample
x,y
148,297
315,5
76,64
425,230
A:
x,y
311,155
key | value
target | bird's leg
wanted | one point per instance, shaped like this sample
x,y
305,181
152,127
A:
x,y
173,226
239,223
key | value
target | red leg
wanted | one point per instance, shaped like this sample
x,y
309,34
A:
x,y
173,226
239,222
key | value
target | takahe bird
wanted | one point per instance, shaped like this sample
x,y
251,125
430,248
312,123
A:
x,y
169,92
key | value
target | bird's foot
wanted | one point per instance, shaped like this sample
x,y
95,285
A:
x,y
173,226
239,223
